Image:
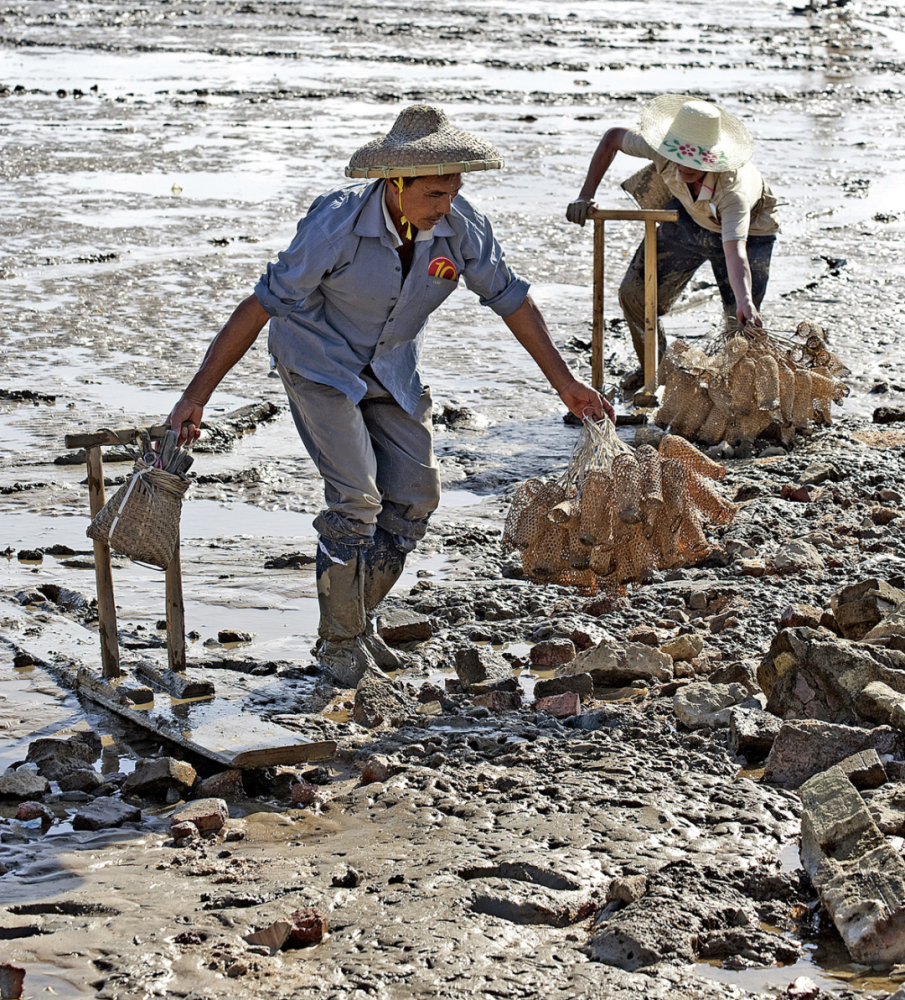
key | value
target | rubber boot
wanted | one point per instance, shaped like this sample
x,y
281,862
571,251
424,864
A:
x,y
341,649
382,565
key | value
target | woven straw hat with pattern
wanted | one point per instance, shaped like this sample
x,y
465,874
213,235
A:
x,y
695,133
422,142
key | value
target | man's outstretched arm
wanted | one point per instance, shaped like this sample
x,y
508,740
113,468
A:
x,y
238,334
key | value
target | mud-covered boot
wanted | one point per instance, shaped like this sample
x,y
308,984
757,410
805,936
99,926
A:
x,y
382,565
343,621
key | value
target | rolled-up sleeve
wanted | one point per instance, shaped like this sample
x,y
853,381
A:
x,y
486,272
297,271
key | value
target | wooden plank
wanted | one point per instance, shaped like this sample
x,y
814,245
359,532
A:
x,y
599,325
176,684
125,435
175,614
103,572
651,359
634,214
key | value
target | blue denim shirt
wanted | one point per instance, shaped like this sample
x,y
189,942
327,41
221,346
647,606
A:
x,y
338,302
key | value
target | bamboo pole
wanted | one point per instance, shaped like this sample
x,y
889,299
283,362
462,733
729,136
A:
x,y
599,325
175,614
651,360
106,606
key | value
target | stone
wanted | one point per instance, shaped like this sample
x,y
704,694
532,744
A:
x,y
751,567
858,608
376,768
811,674
864,769
581,684
819,472
404,626
222,785
807,747
500,701
560,706
887,808
551,653
481,665
858,875
888,414
703,705
56,758
228,635
737,672
209,815
104,813
34,810
154,776
184,830
308,927
800,614
303,793
381,700
615,665
752,732
23,784
883,515
683,647
797,556
626,889
12,981
890,631
85,779
273,937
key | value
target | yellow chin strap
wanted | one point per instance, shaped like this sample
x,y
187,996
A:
x,y
405,222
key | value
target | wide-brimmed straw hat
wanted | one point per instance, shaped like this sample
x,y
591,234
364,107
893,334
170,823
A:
x,y
695,133
422,142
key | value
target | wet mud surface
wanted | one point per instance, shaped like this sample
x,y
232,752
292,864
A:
x,y
153,159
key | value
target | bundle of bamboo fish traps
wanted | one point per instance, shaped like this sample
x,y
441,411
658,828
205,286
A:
x,y
617,513
750,384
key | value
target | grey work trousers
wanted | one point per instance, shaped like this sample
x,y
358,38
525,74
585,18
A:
x,y
682,247
376,460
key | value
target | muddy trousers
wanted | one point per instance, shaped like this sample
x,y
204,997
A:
x,y
381,484
682,247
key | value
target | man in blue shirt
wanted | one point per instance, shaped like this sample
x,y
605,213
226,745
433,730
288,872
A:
x,y
348,303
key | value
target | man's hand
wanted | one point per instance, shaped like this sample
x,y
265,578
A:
x,y
577,212
185,419
748,315
584,401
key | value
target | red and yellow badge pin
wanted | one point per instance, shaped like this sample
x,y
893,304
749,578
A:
x,y
443,267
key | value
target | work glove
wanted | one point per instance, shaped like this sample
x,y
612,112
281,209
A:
x,y
577,212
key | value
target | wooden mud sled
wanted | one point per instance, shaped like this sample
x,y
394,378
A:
x,y
650,217
167,701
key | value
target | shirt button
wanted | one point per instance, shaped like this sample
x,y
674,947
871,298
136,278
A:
x,y
398,268
390,320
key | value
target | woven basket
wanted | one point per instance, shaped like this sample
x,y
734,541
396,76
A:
x,y
141,520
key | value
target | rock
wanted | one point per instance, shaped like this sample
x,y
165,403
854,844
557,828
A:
x,y
561,706
184,830
303,793
551,653
797,556
227,635
704,705
613,665
864,769
12,981
380,700
683,647
857,609
626,889
85,779
581,684
34,810
398,628
858,875
805,748
222,785
737,672
56,758
308,927
481,665
23,784
890,632
153,777
751,567
883,515
376,768
209,815
819,472
272,937
752,732
887,808
800,614
888,414
104,813
500,701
